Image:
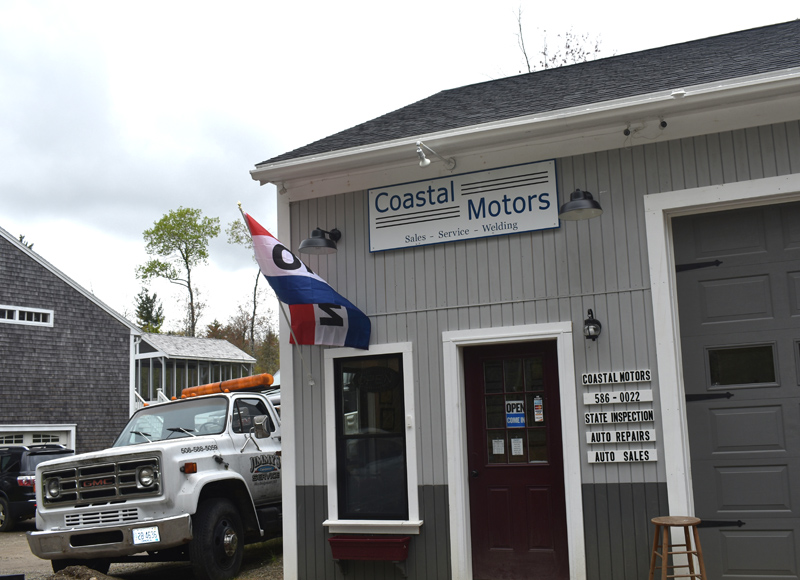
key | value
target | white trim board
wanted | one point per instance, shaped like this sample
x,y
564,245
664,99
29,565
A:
x,y
453,344
69,428
659,210
333,523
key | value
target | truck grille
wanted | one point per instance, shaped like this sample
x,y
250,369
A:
x,y
100,483
102,517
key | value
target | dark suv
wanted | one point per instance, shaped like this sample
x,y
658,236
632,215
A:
x,y
17,477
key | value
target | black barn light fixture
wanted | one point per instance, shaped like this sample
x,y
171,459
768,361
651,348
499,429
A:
x,y
591,326
319,244
581,206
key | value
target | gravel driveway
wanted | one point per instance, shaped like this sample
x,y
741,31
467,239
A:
x,y
261,562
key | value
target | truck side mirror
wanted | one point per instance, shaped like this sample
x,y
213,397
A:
x,y
262,426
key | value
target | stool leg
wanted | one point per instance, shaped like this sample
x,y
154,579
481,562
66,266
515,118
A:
x,y
664,552
655,552
689,552
699,553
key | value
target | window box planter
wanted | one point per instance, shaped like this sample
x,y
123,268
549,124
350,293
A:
x,y
363,547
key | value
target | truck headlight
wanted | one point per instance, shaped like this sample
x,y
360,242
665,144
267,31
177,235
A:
x,y
52,489
146,476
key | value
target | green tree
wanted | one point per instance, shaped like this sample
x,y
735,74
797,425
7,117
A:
x,y
149,312
28,245
179,240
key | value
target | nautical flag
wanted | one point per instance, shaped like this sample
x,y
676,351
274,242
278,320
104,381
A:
x,y
319,314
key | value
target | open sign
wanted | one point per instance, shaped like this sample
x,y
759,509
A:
x,y
515,414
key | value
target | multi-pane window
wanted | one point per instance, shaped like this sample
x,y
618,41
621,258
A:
x,y
25,315
44,438
370,438
515,419
11,439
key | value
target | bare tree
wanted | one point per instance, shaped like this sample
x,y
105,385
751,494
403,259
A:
x,y
570,48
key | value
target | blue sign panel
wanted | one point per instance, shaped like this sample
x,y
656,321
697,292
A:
x,y
515,414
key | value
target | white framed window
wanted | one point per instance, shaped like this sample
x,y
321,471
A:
x,y
38,438
25,315
11,439
370,438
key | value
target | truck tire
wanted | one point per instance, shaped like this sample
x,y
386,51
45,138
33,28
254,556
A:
x,y
97,565
6,521
218,545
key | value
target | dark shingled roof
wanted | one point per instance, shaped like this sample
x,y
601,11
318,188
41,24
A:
x,y
739,54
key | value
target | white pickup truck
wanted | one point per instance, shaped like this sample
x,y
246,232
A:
x,y
190,479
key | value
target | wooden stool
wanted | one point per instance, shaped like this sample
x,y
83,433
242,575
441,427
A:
x,y
662,535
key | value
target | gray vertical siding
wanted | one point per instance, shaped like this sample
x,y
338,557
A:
x,y
416,294
619,535
428,554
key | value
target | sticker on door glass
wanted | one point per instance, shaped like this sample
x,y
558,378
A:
x,y
498,447
538,410
515,414
516,447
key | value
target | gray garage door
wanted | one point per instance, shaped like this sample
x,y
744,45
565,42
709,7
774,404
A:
x,y
738,278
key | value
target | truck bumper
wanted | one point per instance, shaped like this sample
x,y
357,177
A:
x,y
109,541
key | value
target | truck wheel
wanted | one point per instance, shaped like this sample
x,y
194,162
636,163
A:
x,y
97,565
217,548
6,521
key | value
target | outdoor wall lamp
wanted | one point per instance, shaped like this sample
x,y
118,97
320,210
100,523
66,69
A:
x,y
581,206
591,326
319,244
449,162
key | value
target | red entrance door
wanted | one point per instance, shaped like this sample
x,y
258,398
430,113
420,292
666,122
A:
x,y
516,473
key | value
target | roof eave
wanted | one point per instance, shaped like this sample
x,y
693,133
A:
x,y
568,123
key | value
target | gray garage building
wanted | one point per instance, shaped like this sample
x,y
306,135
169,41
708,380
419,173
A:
x,y
482,423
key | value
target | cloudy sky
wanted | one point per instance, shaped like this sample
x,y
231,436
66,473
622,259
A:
x,y
113,113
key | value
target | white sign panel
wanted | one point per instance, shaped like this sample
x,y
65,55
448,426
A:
x,y
606,398
627,456
624,436
618,417
625,376
497,202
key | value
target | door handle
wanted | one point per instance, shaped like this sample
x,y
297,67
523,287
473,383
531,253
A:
x,y
473,473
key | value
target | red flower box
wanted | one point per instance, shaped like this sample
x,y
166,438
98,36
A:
x,y
389,548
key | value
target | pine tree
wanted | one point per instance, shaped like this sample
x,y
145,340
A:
x,y
149,313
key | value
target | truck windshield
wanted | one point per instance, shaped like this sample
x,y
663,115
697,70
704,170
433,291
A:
x,y
177,420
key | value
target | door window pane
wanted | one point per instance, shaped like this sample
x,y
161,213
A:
x,y
516,420
495,412
534,373
514,378
496,444
537,445
517,447
493,377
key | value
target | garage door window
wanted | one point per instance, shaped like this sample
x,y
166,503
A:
x,y
742,365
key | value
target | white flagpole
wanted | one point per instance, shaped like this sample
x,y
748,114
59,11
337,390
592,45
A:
x,y
286,316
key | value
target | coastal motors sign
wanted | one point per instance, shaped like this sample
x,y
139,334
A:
x,y
497,202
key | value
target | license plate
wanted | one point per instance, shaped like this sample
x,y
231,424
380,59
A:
x,y
146,535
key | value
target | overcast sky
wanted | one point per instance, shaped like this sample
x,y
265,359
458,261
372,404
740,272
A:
x,y
113,113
